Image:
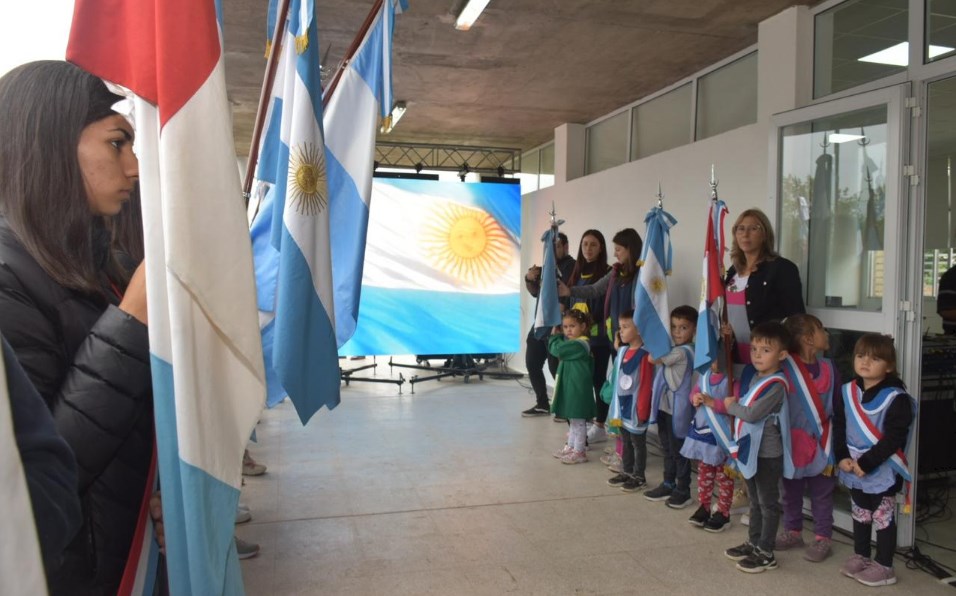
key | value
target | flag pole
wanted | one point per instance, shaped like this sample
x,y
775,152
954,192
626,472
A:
x,y
728,348
267,83
351,51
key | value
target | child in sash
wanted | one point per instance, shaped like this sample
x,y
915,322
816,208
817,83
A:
x,y
671,409
708,442
761,435
573,385
630,382
870,433
814,386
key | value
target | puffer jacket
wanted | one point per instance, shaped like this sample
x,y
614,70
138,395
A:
x,y
90,363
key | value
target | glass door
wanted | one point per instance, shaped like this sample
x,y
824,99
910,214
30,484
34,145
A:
x,y
841,197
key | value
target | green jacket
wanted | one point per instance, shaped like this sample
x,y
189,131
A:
x,y
573,386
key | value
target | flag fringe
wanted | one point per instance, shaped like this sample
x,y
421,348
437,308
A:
x,y
301,43
268,48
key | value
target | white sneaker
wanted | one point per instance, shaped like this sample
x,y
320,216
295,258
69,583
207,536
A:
x,y
596,434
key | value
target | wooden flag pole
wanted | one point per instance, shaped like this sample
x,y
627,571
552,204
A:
x,y
727,338
352,49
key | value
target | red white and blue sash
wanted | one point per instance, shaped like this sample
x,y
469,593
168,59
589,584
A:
x,y
747,435
861,416
803,390
718,425
139,575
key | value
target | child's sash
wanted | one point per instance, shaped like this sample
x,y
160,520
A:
x,y
718,425
747,435
637,404
862,418
804,392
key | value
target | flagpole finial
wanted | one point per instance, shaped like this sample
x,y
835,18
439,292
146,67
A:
x,y
660,196
555,222
713,183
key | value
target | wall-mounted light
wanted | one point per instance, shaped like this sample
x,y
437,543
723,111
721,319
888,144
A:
x,y
469,14
463,171
398,110
419,167
501,171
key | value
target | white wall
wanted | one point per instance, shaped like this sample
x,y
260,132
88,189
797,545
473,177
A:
x,y
620,197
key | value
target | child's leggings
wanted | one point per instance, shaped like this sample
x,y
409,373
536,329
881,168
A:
x,y
878,511
707,477
578,435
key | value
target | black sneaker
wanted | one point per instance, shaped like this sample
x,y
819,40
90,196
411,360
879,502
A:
x,y
538,410
758,562
559,419
739,553
633,485
700,517
618,480
718,522
660,493
678,500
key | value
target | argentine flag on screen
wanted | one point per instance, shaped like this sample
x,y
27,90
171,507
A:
x,y
441,269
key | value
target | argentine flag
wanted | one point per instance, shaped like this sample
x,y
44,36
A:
x,y
547,311
206,355
362,98
652,316
441,269
712,292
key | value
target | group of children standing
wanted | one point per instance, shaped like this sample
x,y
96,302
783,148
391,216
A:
x,y
787,422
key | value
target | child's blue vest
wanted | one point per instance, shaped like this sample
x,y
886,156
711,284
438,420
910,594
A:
x,y
683,410
811,409
625,383
864,428
747,435
710,435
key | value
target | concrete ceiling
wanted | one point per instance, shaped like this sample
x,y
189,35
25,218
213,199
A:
x,y
524,68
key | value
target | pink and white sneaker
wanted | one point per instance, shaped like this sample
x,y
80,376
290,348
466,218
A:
x,y
575,457
566,450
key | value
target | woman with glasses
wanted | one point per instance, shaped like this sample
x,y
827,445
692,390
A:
x,y
761,285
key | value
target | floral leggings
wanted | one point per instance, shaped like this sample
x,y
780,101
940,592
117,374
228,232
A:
x,y
707,476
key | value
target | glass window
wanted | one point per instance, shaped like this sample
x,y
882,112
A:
x,y
661,123
547,166
727,97
607,144
529,171
939,237
832,189
859,41
940,30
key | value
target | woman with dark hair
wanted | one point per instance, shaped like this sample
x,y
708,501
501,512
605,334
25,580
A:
x,y
612,293
75,317
761,285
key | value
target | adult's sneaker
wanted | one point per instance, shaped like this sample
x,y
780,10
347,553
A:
x,y
596,434
740,552
758,562
251,467
246,550
699,517
633,485
718,522
678,500
537,410
559,419
662,492
875,575
243,515
618,480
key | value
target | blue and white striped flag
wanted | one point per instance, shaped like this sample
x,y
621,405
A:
x,y
362,98
303,351
547,311
652,316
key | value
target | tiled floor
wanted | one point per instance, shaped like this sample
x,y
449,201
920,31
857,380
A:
x,y
449,491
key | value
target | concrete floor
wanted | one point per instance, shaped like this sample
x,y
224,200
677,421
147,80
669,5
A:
x,y
450,491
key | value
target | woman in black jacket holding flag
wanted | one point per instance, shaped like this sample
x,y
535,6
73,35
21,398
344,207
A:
x,y
74,317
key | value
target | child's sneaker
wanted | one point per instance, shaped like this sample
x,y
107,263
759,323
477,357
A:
x,y
610,459
788,539
562,452
757,562
854,565
575,457
678,500
633,485
618,480
559,419
699,517
741,552
718,522
596,434
818,551
875,575
745,519
660,493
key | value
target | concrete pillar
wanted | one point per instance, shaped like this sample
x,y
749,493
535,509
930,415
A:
x,y
784,62
568,152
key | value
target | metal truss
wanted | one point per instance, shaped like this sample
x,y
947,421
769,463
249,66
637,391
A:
x,y
451,158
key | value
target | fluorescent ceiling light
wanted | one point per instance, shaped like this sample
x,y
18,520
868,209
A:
x,y
839,137
469,14
899,55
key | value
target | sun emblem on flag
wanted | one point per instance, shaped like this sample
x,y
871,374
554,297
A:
x,y
308,185
658,285
465,243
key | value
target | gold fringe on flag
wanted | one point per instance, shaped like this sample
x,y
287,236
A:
x,y
301,43
268,48
732,472
830,470
386,126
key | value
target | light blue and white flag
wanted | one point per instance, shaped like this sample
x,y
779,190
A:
x,y
298,292
652,316
547,311
361,100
